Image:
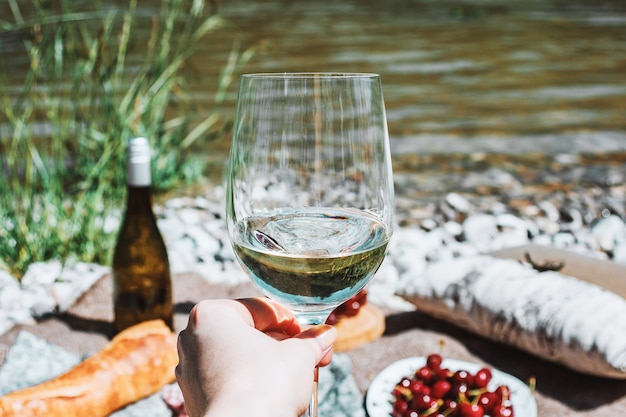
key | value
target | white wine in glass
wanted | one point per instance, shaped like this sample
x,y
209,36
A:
x,y
310,201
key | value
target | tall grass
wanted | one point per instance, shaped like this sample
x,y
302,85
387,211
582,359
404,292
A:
x,y
63,132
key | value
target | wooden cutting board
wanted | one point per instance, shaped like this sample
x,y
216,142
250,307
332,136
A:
x,y
606,274
366,326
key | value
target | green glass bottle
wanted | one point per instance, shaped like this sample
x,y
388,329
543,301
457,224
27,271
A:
x,y
142,284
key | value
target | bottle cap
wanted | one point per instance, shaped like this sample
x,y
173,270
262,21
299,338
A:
x,y
138,157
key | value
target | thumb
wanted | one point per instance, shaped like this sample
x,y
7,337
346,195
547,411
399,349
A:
x,y
321,339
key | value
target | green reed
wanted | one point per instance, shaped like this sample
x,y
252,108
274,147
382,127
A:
x,y
63,132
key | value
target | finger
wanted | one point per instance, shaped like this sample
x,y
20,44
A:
x,y
321,339
183,338
180,369
206,310
271,316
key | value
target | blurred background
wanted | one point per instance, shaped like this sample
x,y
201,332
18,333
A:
x,y
531,75
531,92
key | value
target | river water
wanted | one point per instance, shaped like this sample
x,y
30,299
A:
x,y
501,76
464,76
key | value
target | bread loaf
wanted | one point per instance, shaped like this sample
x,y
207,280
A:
x,y
135,364
366,326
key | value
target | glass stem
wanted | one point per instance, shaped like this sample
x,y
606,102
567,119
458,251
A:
x,y
312,411
307,319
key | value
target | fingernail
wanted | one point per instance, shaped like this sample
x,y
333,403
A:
x,y
323,333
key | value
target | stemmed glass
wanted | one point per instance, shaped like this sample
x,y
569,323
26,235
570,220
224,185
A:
x,y
310,199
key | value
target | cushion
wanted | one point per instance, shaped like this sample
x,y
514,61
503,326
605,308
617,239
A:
x,y
558,317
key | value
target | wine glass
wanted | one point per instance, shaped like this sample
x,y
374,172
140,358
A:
x,y
310,200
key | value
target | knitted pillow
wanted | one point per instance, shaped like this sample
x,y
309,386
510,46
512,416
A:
x,y
552,315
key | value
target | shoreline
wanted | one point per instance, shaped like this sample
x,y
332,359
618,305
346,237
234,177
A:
x,y
546,144
441,215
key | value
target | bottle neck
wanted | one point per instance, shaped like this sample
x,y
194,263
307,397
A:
x,y
138,174
139,199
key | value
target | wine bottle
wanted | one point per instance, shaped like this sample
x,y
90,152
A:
x,y
142,285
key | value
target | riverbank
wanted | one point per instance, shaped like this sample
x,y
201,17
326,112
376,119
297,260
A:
x,y
441,214
533,83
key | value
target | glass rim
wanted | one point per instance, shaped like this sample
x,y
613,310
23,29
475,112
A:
x,y
311,75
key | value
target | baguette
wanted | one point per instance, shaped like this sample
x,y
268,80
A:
x,y
133,365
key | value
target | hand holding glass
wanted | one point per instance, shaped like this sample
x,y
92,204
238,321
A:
x,y
310,187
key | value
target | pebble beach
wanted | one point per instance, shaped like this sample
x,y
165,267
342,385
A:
x,y
440,215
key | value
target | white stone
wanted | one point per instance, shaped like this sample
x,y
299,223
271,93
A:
x,y
509,221
576,222
111,224
480,228
175,203
172,228
547,226
508,239
7,281
608,231
407,247
227,252
543,240
564,240
550,210
14,306
382,288
453,228
203,241
42,273
203,203
458,202
428,224
190,216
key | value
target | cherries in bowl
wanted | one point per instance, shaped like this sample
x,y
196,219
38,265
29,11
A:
x,y
435,387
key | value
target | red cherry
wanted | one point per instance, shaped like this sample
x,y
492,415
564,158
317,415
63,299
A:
x,y
349,308
503,412
361,297
424,373
503,393
451,406
443,373
418,387
433,361
457,390
352,308
440,388
400,406
332,319
463,377
423,402
401,392
482,378
471,410
488,401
